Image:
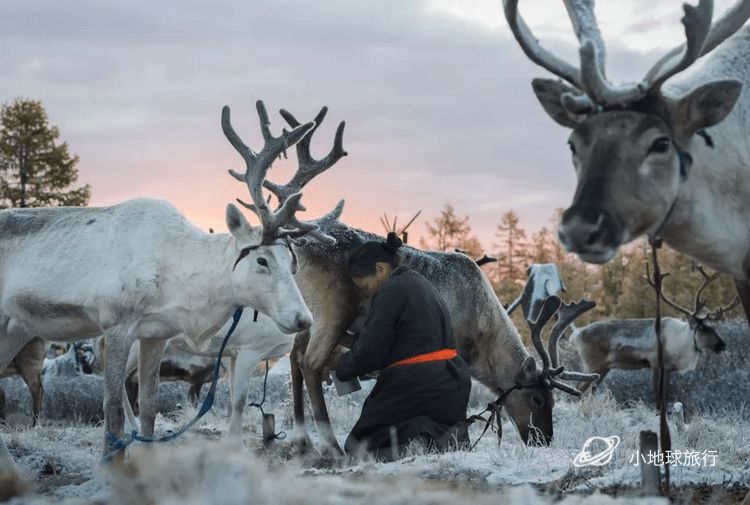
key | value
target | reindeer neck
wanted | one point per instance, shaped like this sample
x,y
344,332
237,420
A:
x,y
709,219
204,290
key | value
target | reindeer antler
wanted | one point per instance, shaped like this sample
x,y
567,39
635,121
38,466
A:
x,y
308,167
701,38
566,314
257,166
699,303
667,300
289,194
549,308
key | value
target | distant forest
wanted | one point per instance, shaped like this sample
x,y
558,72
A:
x,y
619,287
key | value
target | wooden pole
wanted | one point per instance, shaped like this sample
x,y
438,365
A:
x,y
650,473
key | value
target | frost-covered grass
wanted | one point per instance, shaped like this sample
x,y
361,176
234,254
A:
x,y
62,460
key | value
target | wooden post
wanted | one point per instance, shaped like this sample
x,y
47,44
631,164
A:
x,y
650,473
269,429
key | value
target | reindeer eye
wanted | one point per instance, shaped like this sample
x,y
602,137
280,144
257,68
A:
x,y
572,147
262,262
660,145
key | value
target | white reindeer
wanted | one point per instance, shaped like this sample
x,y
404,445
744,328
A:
x,y
140,270
666,156
254,340
630,344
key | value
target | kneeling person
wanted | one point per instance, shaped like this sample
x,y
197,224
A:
x,y
423,389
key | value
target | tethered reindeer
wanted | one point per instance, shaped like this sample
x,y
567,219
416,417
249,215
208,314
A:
x,y
140,270
254,340
645,161
486,338
28,363
630,344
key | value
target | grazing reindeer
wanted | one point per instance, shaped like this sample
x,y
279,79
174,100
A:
x,y
486,338
28,363
630,344
140,270
644,159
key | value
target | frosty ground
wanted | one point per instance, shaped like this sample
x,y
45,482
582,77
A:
x,y
61,457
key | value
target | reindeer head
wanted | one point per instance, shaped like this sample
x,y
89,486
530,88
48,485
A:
x,y
700,319
531,403
629,142
263,273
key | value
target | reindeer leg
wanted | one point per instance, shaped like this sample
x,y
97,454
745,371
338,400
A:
x,y
117,344
313,365
149,362
300,437
2,405
243,368
29,364
194,392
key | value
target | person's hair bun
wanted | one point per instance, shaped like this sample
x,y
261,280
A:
x,y
392,242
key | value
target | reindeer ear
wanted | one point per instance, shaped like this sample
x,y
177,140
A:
x,y
236,221
550,94
707,105
528,373
240,227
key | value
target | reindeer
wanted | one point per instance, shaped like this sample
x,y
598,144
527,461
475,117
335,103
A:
x,y
254,340
140,270
487,339
630,344
667,156
28,363
544,280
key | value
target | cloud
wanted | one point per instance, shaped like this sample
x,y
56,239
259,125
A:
x,y
438,106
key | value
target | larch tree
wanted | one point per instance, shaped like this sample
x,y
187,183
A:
x,y
511,247
36,170
449,231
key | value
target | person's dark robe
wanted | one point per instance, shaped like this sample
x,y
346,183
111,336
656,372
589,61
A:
x,y
424,401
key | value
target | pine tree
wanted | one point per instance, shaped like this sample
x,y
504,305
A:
x,y
449,232
35,169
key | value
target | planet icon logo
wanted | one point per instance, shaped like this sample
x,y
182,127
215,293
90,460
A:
x,y
597,451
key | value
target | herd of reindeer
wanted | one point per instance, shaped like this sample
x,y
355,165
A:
x,y
667,156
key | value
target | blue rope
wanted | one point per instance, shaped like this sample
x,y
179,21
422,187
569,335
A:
x,y
120,444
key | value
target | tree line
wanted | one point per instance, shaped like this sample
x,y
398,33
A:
x,y
619,287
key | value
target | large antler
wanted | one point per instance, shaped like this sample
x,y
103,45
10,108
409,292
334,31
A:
x,y
667,300
701,38
566,313
283,223
549,308
701,303
307,169
257,166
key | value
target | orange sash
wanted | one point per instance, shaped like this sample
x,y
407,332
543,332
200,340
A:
x,y
441,355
